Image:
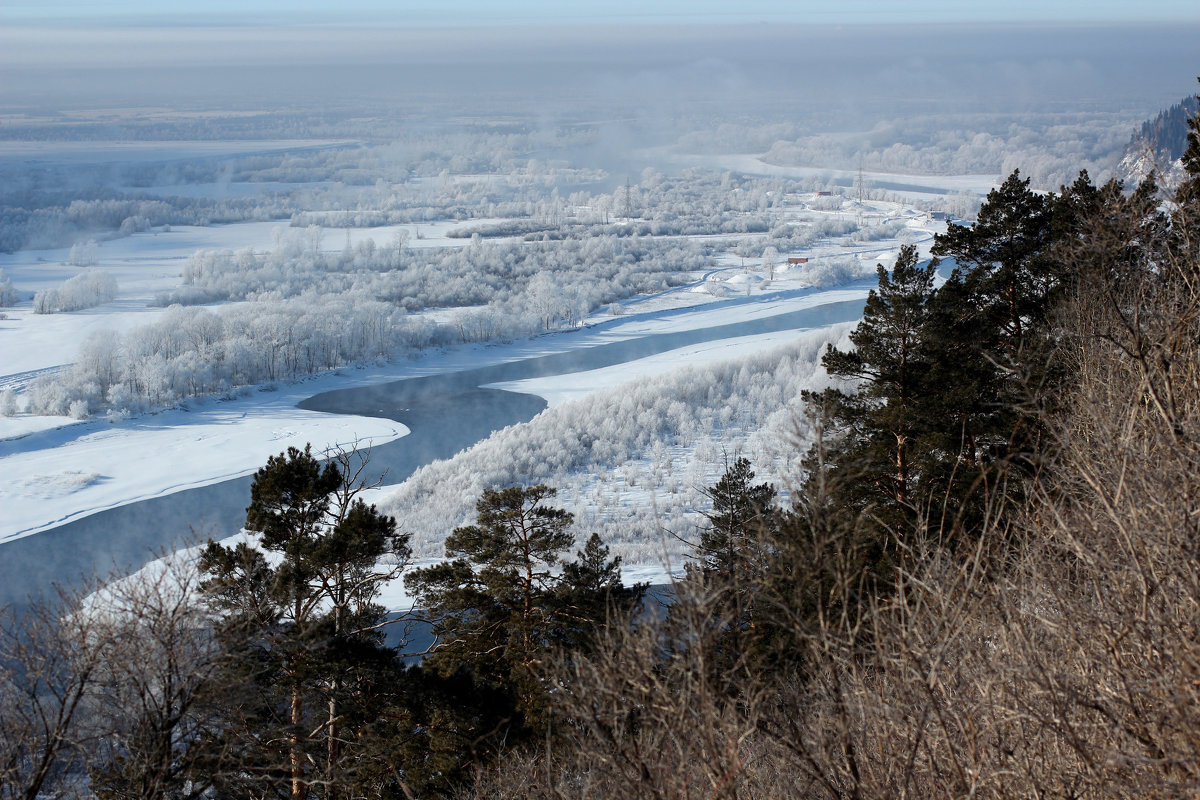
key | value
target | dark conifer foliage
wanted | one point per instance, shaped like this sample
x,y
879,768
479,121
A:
x,y
947,382
734,548
992,329
491,600
1187,196
742,516
730,573
505,601
876,472
1191,155
437,732
308,671
591,595
1003,258
1167,132
878,433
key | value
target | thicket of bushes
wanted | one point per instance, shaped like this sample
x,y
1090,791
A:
x,y
88,289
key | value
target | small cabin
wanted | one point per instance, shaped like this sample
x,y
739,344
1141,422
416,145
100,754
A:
x,y
824,194
797,260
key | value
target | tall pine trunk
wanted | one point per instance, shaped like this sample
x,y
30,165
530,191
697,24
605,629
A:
x,y
295,757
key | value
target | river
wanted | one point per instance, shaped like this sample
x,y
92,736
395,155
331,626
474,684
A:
x,y
445,413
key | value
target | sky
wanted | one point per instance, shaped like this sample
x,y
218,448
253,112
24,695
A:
x,y
70,33
65,53
526,12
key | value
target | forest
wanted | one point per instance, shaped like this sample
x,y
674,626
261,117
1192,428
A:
x,y
300,308
982,583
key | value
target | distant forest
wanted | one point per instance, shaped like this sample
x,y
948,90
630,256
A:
x,y
362,161
1167,133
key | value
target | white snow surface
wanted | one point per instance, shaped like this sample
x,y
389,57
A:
x,y
62,473
54,469
559,389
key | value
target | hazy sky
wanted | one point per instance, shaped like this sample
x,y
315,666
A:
x,y
524,12
1113,52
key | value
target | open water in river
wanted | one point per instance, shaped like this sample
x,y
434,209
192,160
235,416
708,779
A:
x,y
445,413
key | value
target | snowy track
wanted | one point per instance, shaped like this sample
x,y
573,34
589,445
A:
x,y
19,380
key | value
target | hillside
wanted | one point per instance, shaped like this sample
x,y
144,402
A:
x,y
1158,144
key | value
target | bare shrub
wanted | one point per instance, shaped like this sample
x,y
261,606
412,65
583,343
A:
x,y
50,664
641,718
1109,642
8,294
112,691
157,698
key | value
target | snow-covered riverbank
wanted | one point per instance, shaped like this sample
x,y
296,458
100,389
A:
x,y
54,469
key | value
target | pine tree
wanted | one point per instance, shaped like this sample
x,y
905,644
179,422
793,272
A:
x,y
489,600
308,668
590,595
741,516
991,341
1186,222
733,547
876,428
728,576
1004,259
501,604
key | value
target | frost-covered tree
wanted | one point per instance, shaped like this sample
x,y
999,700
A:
x,y
90,288
8,402
770,261
8,294
84,255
